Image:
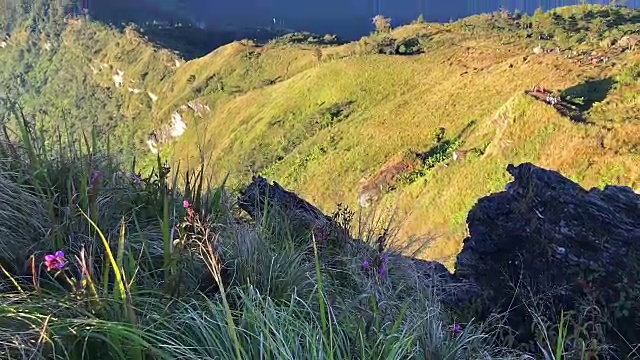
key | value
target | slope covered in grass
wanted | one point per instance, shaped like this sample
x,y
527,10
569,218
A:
x,y
112,266
323,119
323,130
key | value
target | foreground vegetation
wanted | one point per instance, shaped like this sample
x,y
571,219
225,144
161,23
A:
x,y
101,263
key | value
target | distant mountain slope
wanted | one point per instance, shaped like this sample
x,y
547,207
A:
x,y
377,118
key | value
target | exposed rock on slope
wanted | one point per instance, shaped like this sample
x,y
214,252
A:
x,y
557,243
176,126
388,175
259,196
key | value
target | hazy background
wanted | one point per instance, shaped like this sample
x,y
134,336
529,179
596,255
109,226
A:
x,y
347,18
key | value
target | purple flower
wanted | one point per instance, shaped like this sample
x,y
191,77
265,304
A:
x,y
385,262
320,236
55,261
365,265
93,179
186,204
456,329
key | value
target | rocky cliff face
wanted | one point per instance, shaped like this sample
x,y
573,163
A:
x,y
546,239
543,246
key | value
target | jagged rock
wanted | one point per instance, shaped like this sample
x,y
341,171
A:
x,y
545,240
118,78
167,132
259,193
198,108
538,50
551,239
177,126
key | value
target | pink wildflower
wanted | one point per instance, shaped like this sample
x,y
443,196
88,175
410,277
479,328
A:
x,y
186,204
55,261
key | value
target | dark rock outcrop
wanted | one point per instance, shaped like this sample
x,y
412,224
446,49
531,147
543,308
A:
x,y
260,196
551,239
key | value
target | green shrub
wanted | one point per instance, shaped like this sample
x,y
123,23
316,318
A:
x,y
629,75
410,46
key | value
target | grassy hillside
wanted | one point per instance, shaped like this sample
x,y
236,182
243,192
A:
x,y
322,119
469,80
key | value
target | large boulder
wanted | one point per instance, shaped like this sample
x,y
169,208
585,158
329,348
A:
x,y
546,239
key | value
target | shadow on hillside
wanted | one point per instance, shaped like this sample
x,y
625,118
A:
x,y
192,42
614,18
440,151
583,96
189,42
174,31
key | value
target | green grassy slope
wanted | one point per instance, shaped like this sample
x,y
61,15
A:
x,y
395,103
318,119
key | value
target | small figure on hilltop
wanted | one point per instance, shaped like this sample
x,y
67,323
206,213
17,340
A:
x,y
552,99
